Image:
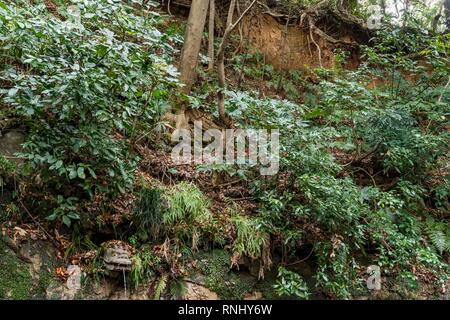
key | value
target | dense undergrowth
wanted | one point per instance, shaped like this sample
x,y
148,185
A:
x,y
364,154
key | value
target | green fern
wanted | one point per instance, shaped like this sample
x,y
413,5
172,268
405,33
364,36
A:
x,y
161,286
250,236
447,243
148,213
185,201
136,270
144,264
438,233
186,212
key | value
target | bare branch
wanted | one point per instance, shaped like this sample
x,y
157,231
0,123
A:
x,y
242,15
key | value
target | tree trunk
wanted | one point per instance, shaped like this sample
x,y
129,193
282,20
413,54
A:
x,y
221,59
221,65
189,59
212,10
192,42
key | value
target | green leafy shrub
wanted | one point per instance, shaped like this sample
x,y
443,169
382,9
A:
x,y
395,139
66,210
290,284
143,267
337,269
81,87
335,203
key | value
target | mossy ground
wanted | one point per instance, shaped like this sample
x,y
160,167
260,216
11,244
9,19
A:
x,y
215,266
15,279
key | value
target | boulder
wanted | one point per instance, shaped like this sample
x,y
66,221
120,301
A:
x,y
10,144
195,291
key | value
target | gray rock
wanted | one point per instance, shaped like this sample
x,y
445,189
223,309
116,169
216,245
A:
x,y
198,292
74,280
10,144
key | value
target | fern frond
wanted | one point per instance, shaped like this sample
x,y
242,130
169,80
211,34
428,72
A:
x,y
439,234
438,239
251,238
447,242
162,284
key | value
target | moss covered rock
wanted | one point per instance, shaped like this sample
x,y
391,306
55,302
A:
x,y
16,281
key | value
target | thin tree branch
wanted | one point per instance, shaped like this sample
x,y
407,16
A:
x,y
243,15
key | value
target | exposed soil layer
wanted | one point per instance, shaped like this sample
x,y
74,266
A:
x,y
291,48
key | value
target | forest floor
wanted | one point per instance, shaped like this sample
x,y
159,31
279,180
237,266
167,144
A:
x,y
40,259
